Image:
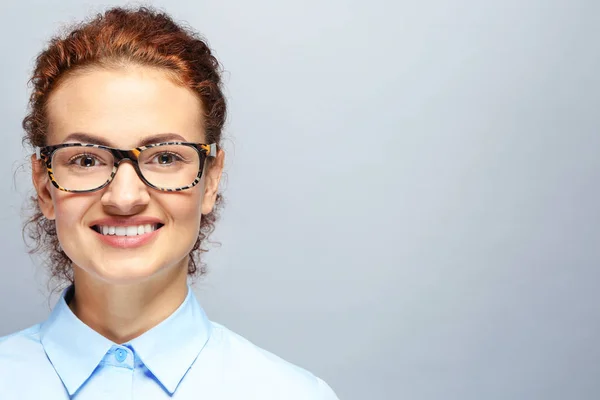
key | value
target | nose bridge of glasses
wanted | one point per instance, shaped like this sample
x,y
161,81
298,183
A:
x,y
126,155
120,155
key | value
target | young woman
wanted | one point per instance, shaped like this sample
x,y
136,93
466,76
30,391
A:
x,y
125,118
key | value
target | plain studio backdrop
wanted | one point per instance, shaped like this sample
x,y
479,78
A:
x,y
412,189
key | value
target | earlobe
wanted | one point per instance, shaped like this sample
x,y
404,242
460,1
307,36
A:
x,y
41,183
212,179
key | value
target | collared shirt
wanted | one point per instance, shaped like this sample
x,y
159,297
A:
x,y
186,356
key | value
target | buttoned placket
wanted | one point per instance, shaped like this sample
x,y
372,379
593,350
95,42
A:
x,y
116,375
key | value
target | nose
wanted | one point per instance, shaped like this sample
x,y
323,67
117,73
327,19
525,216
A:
x,y
126,194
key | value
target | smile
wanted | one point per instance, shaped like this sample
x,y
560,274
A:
x,y
134,230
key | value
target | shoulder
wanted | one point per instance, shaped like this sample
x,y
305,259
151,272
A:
x,y
252,367
15,343
21,349
23,360
21,353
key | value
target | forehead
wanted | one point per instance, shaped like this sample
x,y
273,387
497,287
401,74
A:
x,y
123,106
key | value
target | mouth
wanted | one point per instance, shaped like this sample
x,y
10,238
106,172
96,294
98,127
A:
x,y
132,230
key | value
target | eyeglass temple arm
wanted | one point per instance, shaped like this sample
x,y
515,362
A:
x,y
213,150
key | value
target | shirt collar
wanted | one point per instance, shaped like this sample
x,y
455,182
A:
x,y
168,350
74,349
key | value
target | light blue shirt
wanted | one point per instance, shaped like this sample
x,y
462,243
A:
x,y
186,356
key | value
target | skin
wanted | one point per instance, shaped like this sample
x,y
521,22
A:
x,y
121,293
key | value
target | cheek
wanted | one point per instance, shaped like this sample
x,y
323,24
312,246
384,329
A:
x,y
184,208
70,210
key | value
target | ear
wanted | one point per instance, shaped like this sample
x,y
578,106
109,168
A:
x,y
212,178
41,183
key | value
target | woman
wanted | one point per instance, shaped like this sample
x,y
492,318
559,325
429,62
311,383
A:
x,y
126,117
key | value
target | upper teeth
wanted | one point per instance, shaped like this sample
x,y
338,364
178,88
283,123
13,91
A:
x,y
127,230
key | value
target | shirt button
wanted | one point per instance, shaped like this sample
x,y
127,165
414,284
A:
x,y
120,355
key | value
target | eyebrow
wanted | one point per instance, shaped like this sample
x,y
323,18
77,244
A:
x,y
93,139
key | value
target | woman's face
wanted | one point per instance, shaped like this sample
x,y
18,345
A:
x,y
124,108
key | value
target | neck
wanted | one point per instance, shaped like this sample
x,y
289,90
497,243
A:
x,y
122,312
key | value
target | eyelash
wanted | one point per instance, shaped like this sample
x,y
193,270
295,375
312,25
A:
x,y
178,156
79,156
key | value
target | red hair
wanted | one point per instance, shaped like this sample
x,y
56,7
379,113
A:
x,y
119,37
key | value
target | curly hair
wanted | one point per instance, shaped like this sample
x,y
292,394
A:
x,y
119,37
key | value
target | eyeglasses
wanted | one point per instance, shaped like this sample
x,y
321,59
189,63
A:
x,y
168,166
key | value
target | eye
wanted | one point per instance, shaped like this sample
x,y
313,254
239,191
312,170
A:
x,y
85,161
166,158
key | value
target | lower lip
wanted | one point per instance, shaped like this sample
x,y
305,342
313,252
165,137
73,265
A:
x,y
127,242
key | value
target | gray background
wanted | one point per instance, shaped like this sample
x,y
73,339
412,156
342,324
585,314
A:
x,y
412,189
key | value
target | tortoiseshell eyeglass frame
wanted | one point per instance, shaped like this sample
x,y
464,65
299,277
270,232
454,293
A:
x,y
204,150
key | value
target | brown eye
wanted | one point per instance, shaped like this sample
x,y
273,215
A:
x,y
165,158
86,161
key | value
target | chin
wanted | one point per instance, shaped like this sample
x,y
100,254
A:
x,y
122,267
122,272
125,277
